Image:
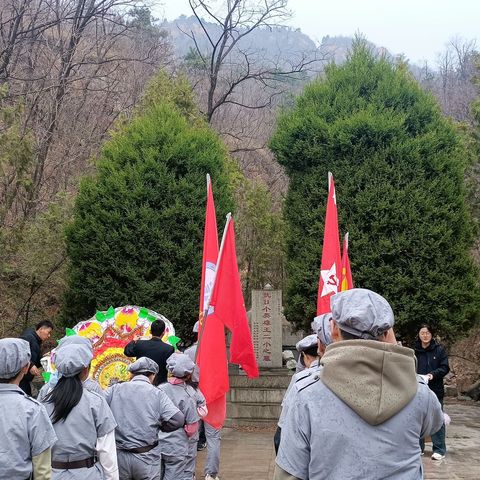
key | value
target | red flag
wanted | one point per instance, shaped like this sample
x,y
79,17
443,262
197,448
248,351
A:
x,y
347,280
226,308
229,306
331,261
213,363
210,252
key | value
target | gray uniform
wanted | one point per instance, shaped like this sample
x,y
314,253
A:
x,y
360,417
77,436
25,432
214,438
88,384
139,409
296,383
191,351
175,445
191,460
212,435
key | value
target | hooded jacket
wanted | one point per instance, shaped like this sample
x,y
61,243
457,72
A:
x,y
434,360
360,417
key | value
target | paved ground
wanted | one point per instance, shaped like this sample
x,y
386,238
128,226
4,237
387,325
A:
x,y
249,454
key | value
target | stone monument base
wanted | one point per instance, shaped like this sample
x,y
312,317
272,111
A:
x,y
256,401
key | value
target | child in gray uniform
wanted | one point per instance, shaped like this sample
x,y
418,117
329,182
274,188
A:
x,y
175,445
26,432
88,383
202,410
141,410
82,420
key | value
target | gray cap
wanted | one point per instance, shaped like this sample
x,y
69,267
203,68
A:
x,y
306,343
179,365
143,365
362,313
321,325
70,360
75,340
195,327
14,355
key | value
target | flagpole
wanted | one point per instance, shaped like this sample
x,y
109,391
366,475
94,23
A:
x,y
219,259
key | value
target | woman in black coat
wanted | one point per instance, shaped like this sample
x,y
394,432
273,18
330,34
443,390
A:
x,y
432,361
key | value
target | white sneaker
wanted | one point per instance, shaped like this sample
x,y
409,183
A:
x,y
209,477
438,456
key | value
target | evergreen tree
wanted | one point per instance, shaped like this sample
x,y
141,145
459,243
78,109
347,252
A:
x,y
137,233
399,170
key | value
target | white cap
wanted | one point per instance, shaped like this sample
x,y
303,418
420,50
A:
x,y
180,365
71,359
362,313
309,341
143,365
14,355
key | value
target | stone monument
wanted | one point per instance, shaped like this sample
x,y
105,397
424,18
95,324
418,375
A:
x,y
254,401
266,326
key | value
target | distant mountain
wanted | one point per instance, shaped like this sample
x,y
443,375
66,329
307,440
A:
x,y
278,44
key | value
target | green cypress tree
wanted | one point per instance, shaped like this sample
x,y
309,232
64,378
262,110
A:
x,y
399,170
137,232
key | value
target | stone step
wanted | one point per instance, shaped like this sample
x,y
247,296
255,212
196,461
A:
x,y
256,395
264,381
253,411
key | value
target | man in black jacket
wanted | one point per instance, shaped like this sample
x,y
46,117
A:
x,y
156,349
35,337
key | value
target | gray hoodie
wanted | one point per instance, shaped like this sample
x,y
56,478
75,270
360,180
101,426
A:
x,y
360,417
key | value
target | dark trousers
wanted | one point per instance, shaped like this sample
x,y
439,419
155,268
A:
x,y
202,439
276,439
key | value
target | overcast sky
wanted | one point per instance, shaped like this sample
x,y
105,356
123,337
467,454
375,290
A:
x,y
418,28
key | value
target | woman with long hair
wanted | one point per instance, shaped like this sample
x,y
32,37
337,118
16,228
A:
x,y
432,362
82,420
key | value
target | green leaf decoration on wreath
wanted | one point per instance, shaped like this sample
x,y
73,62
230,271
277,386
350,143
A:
x,y
151,318
143,313
46,376
101,316
173,340
69,332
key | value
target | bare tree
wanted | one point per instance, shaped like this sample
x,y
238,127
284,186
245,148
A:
x,y
76,65
453,81
232,59
69,69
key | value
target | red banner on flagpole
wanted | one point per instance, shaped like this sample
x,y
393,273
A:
x,y
210,252
329,283
347,280
229,306
225,309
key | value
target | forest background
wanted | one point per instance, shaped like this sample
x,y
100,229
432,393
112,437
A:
x,y
71,71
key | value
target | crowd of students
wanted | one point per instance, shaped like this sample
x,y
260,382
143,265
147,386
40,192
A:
x,y
131,431
355,409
